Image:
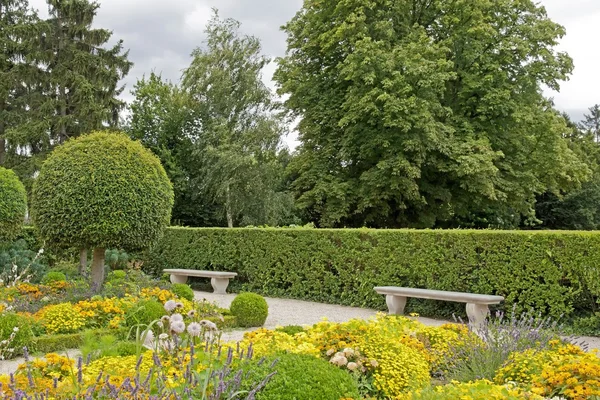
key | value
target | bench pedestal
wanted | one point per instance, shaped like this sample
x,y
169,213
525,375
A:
x,y
395,304
477,314
179,278
219,285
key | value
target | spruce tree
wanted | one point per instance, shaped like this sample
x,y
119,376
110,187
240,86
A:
x,y
83,72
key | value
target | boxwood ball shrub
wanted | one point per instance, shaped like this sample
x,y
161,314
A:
x,y
24,335
13,204
144,312
303,377
102,190
183,291
250,309
53,276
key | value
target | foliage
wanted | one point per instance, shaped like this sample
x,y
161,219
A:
x,y
425,114
183,291
13,204
53,276
303,377
96,347
71,205
236,155
250,309
116,259
290,329
24,257
546,271
479,390
498,339
144,312
20,338
61,318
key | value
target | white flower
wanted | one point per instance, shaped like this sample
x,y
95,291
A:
x,y
41,251
352,366
160,324
16,329
194,329
374,363
176,318
165,319
348,352
178,326
4,342
339,360
178,305
191,313
330,352
148,339
170,305
163,336
211,326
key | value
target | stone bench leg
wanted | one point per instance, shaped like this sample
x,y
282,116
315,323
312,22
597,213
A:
x,y
219,285
395,304
178,278
477,314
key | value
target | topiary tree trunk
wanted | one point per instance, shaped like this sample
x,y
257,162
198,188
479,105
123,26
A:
x,y
97,275
82,261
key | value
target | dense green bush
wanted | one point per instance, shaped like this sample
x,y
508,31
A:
x,y
54,276
13,204
101,191
144,312
302,377
22,338
183,291
250,309
554,272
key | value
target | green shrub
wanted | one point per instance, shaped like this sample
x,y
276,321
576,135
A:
x,y
69,268
53,276
23,338
183,291
250,309
302,377
144,312
13,204
291,329
116,259
53,343
117,276
589,326
99,191
553,272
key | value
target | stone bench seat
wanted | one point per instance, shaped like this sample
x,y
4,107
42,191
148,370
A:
x,y
219,279
477,304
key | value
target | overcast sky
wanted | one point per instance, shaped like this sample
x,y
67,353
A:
x,y
162,33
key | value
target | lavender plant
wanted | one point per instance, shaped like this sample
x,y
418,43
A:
x,y
481,356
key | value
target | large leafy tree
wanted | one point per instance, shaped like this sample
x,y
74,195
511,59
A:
x,y
415,112
236,152
162,118
591,122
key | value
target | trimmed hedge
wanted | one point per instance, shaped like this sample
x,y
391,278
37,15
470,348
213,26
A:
x,y
557,273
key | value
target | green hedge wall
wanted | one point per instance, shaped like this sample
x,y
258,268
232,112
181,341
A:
x,y
557,273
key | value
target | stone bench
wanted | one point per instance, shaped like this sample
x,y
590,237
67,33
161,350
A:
x,y
477,304
219,280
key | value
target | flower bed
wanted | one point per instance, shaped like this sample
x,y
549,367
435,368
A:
x,y
388,357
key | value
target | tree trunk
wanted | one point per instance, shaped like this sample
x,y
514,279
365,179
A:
x,y
83,253
228,208
98,269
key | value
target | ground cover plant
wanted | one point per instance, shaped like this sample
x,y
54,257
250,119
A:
x,y
387,357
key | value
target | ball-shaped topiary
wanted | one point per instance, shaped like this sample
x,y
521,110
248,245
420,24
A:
x,y
53,276
144,312
102,190
13,204
183,291
250,309
301,377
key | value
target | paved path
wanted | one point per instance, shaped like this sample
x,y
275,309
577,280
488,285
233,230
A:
x,y
284,312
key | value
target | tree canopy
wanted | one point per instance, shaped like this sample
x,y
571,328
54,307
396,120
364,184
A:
x,y
425,114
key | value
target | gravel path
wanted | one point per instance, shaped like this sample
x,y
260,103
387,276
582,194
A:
x,y
284,312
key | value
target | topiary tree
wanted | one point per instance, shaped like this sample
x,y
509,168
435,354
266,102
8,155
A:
x,y
100,191
13,204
